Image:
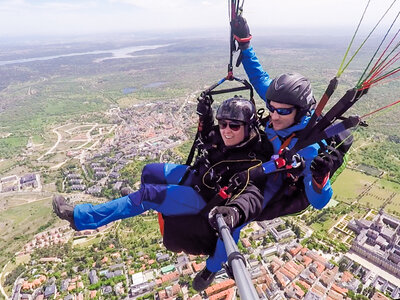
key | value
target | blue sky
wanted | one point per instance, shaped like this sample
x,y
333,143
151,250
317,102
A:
x,y
73,17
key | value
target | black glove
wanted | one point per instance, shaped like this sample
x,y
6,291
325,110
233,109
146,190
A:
x,y
241,31
297,167
321,166
204,109
232,216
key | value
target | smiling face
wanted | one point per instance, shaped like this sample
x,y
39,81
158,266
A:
x,y
278,121
232,132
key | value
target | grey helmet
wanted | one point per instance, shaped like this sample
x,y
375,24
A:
x,y
237,109
293,89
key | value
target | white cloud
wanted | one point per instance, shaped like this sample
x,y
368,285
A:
x,y
153,5
206,3
66,6
19,17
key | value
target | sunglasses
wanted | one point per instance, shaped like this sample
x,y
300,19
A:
x,y
280,111
234,126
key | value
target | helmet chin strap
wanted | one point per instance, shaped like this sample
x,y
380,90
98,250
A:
x,y
300,113
247,129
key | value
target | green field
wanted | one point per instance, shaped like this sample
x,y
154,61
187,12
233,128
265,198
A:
x,y
135,228
394,205
6,165
376,197
86,242
38,139
323,226
393,186
19,224
350,184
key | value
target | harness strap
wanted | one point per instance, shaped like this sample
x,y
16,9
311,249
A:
x,y
161,223
241,163
193,149
287,141
322,128
235,255
243,40
320,106
225,193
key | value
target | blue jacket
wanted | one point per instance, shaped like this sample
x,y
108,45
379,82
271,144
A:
x,y
261,81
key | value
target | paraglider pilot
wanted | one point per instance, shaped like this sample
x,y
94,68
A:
x,y
232,150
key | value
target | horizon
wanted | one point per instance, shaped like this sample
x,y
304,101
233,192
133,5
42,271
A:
x,y
28,19
258,33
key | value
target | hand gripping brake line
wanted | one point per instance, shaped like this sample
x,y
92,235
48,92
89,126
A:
x,y
284,162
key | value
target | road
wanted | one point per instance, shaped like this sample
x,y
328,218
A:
x,y
374,268
55,167
190,96
59,137
3,292
88,136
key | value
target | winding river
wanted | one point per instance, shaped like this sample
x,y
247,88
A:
x,y
113,54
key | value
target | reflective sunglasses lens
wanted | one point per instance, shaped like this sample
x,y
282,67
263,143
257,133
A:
x,y
222,124
280,111
284,111
270,107
234,126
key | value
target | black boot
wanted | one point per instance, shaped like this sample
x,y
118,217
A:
x,y
203,279
125,191
63,210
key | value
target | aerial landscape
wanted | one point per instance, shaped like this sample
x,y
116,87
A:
x,y
81,117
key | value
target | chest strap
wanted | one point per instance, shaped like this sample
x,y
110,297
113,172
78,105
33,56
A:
x,y
287,141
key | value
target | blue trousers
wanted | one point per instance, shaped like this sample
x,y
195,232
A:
x,y
159,191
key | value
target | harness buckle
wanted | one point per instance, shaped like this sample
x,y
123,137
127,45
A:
x,y
197,188
223,194
280,162
237,181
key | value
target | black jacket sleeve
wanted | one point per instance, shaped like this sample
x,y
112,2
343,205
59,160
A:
x,y
283,204
249,202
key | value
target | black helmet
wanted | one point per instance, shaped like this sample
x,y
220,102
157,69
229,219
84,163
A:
x,y
293,89
237,109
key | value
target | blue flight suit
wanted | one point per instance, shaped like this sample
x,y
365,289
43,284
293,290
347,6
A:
x,y
158,182
317,197
159,191
260,80
162,191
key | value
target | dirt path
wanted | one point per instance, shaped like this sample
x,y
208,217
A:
x,y
59,165
3,292
59,138
26,201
